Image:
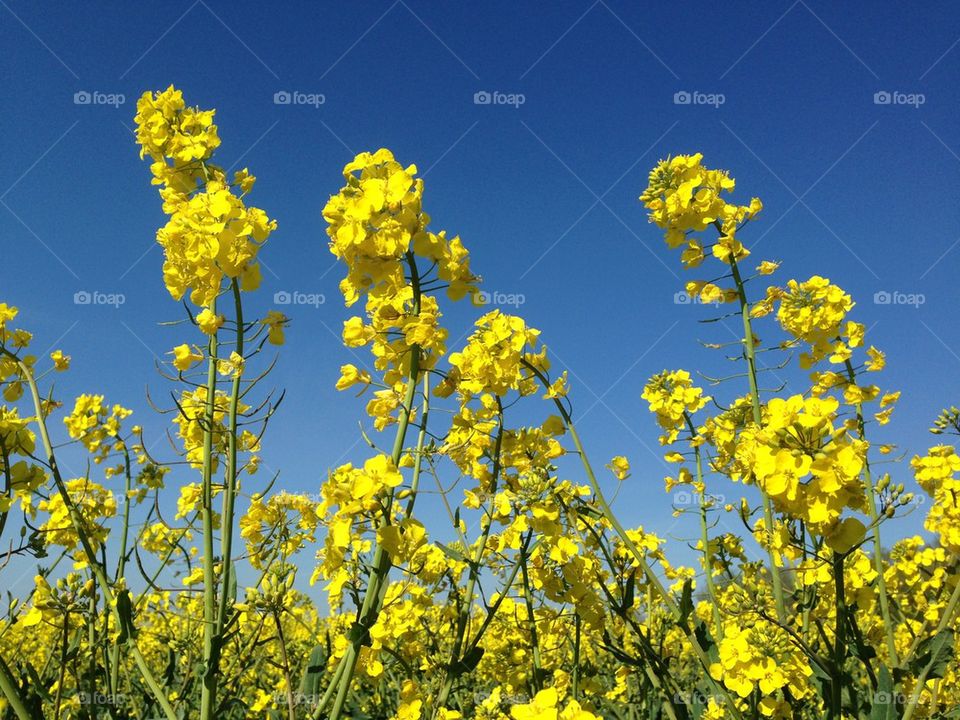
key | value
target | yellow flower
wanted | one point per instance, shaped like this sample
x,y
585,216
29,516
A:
x,y
620,467
275,323
185,357
61,362
208,321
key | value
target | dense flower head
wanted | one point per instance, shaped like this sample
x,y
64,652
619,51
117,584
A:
x,y
762,657
937,473
212,234
499,356
814,311
672,397
377,219
97,425
93,504
808,466
684,197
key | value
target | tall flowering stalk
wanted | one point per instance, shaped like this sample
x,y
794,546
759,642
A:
x,y
210,244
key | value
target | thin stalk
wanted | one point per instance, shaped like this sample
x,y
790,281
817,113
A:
x,y
704,535
749,352
121,569
840,640
291,703
12,693
877,546
531,619
230,484
211,659
377,585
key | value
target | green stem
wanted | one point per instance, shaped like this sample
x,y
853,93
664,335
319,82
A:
x,y
874,520
840,640
377,585
12,693
750,354
704,535
463,617
531,619
230,484
211,660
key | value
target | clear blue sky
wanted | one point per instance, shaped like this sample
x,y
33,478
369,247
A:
x,y
543,194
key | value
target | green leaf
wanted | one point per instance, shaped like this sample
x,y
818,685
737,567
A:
x,y
884,706
453,554
686,604
934,653
313,673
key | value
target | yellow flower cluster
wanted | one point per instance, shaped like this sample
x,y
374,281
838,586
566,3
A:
x,y
937,472
814,312
803,462
211,234
762,657
377,219
501,355
672,397
684,197
97,425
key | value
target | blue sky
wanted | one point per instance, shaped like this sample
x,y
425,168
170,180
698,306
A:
x,y
784,95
